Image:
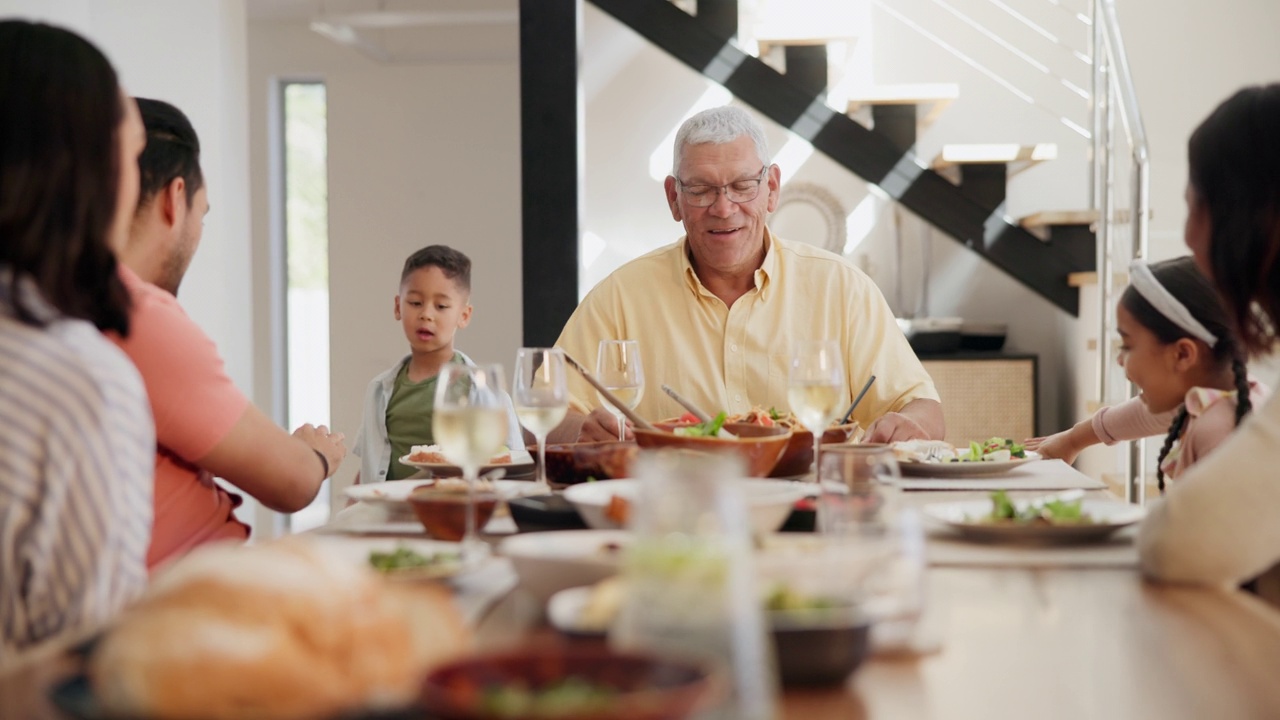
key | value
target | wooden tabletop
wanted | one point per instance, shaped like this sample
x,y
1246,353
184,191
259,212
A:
x,y
1014,643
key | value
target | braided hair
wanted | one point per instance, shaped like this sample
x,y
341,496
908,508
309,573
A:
x,y
1185,282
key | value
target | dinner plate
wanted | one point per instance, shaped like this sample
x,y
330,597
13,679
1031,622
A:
x,y
964,469
396,492
521,464
564,611
356,551
963,517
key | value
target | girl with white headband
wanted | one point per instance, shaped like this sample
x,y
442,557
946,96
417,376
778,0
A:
x,y
1177,348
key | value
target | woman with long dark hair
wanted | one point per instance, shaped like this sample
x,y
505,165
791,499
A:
x,y
1217,525
78,444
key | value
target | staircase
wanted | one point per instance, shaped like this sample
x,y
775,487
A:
x,y
968,209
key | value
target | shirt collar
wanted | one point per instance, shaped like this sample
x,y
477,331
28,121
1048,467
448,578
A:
x,y
763,276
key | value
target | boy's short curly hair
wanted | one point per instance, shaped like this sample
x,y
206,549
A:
x,y
455,265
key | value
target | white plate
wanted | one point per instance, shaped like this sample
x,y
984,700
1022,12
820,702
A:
x,y
551,561
769,502
564,610
356,550
962,517
964,469
521,464
396,492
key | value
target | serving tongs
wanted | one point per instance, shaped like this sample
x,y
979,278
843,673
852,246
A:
x,y
697,412
610,397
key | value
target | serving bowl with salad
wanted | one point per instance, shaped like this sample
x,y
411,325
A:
x,y
759,446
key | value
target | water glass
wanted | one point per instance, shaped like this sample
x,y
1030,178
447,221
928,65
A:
x,y
692,589
620,371
541,397
862,507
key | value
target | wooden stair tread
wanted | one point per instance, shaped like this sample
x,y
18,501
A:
x,y
956,154
934,96
1084,279
1045,218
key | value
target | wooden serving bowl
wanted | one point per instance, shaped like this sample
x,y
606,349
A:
x,y
639,686
798,457
761,447
443,513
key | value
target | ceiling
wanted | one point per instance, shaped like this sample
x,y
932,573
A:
x,y
405,31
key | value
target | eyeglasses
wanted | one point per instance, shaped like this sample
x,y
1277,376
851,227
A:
x,y
738,191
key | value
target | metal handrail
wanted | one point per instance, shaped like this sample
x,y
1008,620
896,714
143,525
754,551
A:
x,y
1113,80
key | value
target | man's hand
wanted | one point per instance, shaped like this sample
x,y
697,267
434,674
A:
x,y
894,427
920,419
602,425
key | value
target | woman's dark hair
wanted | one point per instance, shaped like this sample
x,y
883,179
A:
x,y
1186,283
172,151
59,171
1234,159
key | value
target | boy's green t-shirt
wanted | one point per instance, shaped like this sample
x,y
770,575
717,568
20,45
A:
x,y
409,413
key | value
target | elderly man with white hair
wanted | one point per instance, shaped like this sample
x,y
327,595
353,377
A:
x,y
718,312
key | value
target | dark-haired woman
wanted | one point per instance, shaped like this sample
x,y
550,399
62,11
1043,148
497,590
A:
x,y
1220,523
78,445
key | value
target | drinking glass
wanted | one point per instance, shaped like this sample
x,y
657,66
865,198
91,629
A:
x,y
862,507
470,425
815,387
619,370
541,397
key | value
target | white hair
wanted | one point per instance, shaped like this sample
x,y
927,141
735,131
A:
x,y
718,126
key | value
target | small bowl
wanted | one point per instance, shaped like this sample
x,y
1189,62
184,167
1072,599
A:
x,y
769,502
819,647
641,687
539,513
573,463
761,447
797,459
444,514
548,562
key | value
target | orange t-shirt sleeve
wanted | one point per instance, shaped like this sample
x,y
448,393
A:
x,y
194,402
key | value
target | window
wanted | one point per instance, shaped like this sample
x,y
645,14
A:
x,y
306,233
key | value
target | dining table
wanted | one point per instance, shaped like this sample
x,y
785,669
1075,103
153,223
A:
x,y
1072,632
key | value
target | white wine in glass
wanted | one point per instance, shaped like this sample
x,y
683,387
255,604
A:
x,y
470,425
816,388
541,396
619,370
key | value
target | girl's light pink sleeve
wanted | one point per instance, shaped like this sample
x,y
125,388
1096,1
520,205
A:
x,y
1130,420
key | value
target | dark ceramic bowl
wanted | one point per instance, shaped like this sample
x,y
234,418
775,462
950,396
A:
x,y
635,686
544,512
819,647
572,463
760,447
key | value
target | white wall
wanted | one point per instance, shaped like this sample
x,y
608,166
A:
x,y
418,155
193,55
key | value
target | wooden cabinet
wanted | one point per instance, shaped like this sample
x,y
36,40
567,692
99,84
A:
x,y
985,394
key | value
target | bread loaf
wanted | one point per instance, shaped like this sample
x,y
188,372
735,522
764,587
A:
x,y
272,631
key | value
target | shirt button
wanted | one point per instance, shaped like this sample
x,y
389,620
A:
x,y
737,398
734,347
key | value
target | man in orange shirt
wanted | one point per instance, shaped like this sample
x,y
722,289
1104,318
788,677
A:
x,y
205,427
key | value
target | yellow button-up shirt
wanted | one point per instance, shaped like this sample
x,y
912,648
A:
x,y
732,358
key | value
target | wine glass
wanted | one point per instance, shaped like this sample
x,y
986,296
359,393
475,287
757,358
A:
x,y
541,397
816,387
470,425
619,370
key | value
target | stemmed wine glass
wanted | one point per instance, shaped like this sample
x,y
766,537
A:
x,y
816,387
470,424
619,370
541,397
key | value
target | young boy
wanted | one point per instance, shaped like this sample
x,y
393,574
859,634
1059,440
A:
x,y
433,304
